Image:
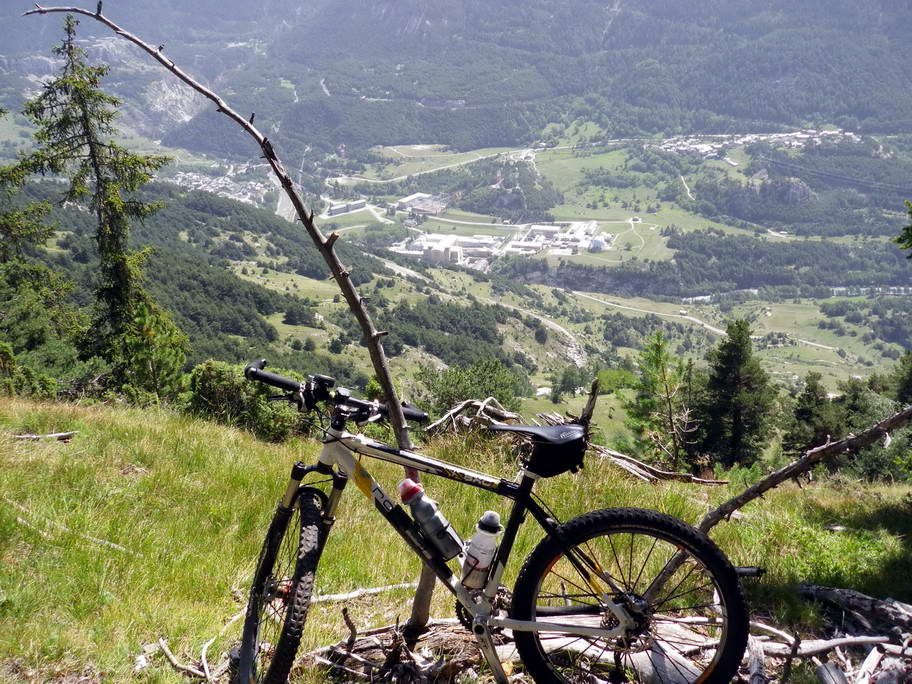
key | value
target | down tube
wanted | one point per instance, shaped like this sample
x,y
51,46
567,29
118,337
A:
x,y
395,515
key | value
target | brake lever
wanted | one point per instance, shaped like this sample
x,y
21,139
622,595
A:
x,y
373,418
296,398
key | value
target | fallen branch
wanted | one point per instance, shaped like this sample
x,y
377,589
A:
x,y
486,412
61,436
341,668
761,627
210,677
358,593
813,647
177,665
650,472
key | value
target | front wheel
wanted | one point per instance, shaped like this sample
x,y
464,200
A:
x,y
280,595
686,618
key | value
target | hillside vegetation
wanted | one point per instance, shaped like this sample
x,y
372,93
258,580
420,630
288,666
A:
x,y
188,502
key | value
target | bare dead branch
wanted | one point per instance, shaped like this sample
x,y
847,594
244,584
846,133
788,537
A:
x,y
61,436
324,246
791,654
214,676
352,630
358,593
813,647
176,664
95,540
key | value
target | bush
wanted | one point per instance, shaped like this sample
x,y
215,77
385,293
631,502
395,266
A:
x,y
219,391
443,389
22,380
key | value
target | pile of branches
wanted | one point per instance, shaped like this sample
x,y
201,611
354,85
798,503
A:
x,y
476,414
447,651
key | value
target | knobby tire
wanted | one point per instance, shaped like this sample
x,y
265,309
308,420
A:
x,y
281,592
691,628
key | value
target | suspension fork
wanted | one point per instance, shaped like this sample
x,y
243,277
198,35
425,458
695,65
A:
x,y
340,479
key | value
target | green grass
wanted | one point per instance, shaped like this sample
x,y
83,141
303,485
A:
x,y
190,501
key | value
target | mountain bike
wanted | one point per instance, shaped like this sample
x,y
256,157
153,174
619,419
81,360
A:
x,y
614,595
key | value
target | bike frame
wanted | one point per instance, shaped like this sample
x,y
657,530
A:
x,y
338,451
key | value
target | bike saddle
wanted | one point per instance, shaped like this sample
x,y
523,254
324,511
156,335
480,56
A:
x,y
550,434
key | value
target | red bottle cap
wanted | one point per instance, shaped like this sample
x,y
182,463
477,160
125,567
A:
x,y
409,489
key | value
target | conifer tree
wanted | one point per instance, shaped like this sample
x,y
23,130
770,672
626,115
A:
x,y
814,419
21,225
660,412
75,129
902,379
37,322
905,238
739,400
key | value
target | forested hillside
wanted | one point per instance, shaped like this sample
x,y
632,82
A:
x,y
474,74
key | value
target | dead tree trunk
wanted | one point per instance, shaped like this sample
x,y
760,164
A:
x,y
324,245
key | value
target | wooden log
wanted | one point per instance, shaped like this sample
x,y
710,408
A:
x,y
830,673
888,612
755,661
813,647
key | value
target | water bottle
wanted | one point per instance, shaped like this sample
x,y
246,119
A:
x,y
480,552
431,521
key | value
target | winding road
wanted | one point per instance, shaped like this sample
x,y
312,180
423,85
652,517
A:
x,y
686,317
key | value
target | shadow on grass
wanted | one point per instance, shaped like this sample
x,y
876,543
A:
x,y
869,521
879,517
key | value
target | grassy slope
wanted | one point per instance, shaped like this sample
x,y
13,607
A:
x,y
191,499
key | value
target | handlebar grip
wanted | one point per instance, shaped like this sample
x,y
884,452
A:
x,y
253,366
411,413
254,371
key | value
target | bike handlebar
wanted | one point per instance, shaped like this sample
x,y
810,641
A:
x,y
254,371
316,389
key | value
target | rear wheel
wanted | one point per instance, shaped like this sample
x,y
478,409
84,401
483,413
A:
x,y
688,619
281,591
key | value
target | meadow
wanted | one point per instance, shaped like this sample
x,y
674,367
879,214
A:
x,y
186,503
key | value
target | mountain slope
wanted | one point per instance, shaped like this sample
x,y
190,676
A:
x,y
469,73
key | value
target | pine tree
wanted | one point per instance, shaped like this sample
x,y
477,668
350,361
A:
x,y
815,418
902,379
905,238
75,130
21,225
739,400
661,413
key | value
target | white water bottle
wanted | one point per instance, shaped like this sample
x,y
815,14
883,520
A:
x,y
431,521
480,552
